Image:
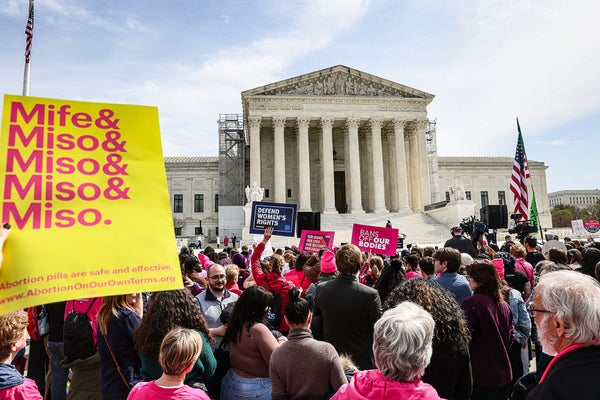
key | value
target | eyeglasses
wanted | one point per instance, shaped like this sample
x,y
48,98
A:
x,y
215,277
533,310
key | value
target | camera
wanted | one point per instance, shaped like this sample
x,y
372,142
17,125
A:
x,y
522,229
473,227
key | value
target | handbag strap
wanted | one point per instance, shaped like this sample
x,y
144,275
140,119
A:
x,y
127,385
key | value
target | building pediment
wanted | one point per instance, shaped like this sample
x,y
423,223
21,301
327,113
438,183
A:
x,y
338,81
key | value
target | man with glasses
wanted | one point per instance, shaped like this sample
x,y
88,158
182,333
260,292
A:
x,y
213,300
566,308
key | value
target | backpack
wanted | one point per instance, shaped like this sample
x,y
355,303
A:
x,y
274,314
78,335
37,323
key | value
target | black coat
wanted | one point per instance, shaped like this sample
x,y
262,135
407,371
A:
x,y
462,244
349,310
573,376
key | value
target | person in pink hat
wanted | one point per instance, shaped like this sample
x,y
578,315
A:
x,y
328,272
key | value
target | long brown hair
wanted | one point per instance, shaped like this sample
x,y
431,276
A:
x,y
485,274
110,306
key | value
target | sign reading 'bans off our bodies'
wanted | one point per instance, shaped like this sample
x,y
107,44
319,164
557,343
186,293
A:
x,y
84,189
280,216
375,238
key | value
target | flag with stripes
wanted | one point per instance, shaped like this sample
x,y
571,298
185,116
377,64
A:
x,y
518,182
29,33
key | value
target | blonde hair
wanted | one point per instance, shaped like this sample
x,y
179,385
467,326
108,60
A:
x,y
232,272
110,306
12,327
179,349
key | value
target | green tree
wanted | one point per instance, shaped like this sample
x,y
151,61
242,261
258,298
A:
x,y
562,215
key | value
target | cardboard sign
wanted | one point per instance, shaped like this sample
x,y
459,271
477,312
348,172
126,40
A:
x,y
84,188
375,238
315,241
280,216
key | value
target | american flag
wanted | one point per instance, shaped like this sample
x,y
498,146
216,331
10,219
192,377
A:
x,y
518,182
29,33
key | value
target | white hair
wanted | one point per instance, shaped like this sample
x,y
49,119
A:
x,y
575,298
466,259
402,342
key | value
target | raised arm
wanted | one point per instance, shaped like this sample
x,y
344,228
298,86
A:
x,y
255,260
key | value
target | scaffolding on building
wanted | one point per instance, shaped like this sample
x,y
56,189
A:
x,y
232,147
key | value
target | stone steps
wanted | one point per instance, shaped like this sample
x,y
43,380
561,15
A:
x,y
419,228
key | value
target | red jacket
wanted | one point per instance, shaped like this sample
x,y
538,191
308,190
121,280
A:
x,y
272,282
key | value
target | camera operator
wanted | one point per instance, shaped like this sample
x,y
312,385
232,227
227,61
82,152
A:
x,y
460,243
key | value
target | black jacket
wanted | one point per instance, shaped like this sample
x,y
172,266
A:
x,y
573,376
350,310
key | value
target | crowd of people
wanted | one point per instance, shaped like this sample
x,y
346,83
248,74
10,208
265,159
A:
x,y
463,321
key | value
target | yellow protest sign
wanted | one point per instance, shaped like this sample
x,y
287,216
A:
x,y
84,189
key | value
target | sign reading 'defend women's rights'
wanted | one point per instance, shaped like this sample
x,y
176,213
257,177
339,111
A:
x,y
84,188
280,216
315,241
375,238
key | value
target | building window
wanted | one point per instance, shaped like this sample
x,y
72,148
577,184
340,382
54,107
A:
x,y
198,203
468,194
289,193
501,197
197,231
177,231
178,203
484,198
447,196
216,203
266,193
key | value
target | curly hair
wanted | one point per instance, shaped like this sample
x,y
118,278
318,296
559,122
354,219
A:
x,y
12,328
167,310
391,276
450,322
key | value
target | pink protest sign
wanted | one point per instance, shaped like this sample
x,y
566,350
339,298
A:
x,y
314,241
375,238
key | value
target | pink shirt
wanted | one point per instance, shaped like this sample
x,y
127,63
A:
x,y
150,390
28,390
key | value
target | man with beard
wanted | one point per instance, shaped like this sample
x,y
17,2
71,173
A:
x,y
213,300
566,307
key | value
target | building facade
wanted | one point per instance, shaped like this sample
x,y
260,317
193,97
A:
x,y
576,198
194,195
486,181
340,141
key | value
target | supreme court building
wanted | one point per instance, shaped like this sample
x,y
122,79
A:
x,y
351,146
339,140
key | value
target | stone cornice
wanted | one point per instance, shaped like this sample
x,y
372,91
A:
x,y
338,81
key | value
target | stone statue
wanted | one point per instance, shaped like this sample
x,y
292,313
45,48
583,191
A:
x,y
254,193
457,190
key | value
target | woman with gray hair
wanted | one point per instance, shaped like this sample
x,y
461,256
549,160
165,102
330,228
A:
x,y
402,349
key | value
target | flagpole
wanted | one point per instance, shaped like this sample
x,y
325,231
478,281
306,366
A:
x,y
28,44
539,224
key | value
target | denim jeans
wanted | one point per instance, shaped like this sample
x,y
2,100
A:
x,y
234,387
59,374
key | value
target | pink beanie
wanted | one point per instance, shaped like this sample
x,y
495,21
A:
x,y
499,266
328,262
